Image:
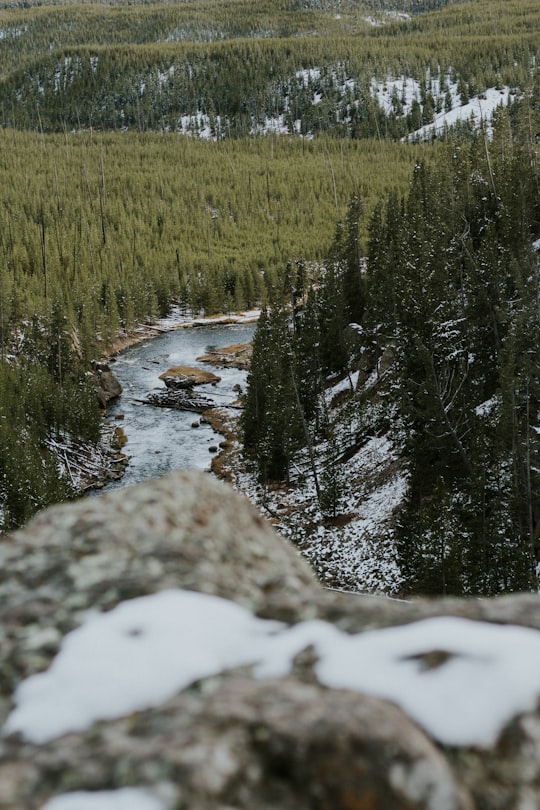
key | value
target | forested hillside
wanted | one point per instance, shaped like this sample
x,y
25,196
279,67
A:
x,y
444,350
232,68
203,152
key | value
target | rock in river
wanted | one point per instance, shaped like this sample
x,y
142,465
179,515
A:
x,y
186,375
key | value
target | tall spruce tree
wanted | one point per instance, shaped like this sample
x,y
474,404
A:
x,y
271,422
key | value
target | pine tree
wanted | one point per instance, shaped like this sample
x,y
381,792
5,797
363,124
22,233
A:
x,y
271,422
431,547
307,363
332,321
350,255
332,480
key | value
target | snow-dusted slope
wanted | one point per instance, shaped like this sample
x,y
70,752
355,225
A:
x,y
477,111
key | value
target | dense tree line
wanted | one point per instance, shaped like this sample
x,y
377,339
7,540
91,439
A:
x,y
112,228
450,291
46,396
454,284
71,67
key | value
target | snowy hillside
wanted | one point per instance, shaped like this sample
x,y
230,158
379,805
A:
x,y
353,550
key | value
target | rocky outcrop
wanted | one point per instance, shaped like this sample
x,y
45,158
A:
x,y
240,738
106,383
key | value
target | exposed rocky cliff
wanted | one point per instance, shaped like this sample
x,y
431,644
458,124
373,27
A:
x,y
235,737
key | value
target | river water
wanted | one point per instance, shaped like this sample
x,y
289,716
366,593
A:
x,y
163,439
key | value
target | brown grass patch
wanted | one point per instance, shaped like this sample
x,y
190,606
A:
x,y
238,355
339,521
221,420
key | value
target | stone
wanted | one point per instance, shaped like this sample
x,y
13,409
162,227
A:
x,y
193,376
107,385
233,741
269,745
186,530
179,383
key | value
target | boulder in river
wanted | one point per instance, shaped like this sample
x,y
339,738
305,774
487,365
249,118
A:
x,y
195,376
179,383
106,383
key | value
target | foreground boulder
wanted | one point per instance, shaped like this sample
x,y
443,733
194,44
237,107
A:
x,y
236,733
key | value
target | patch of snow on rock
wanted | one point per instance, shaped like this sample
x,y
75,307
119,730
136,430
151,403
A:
x,y
124,799
461,680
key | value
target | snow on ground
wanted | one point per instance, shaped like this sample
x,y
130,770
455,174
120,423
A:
x,y
393,94
356,550
360,554
13,31
385,17
124,799
147,649
276,125
404,88
181,317
478,110
348,383
198,124
486,408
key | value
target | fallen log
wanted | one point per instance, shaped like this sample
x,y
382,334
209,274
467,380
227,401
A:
x,y
180,399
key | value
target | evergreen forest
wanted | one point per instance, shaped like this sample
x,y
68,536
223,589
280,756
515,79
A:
x,y
224,155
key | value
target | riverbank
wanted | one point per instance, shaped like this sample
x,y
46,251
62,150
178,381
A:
x,y
168,438
91,467
177,319
225,421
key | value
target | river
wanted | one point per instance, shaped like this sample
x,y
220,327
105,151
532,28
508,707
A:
x,y
162,439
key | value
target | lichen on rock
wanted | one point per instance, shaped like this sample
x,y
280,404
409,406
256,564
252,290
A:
x,y
235,739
